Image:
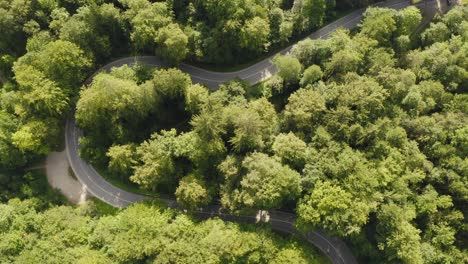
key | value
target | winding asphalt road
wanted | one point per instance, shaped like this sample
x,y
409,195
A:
x,y
331,246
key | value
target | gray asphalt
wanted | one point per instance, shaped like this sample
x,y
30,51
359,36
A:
x,y
331,246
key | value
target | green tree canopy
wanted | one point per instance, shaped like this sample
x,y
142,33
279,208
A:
x,y
267,183
331,207
192,192
289,68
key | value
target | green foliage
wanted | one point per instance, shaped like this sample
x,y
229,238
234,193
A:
x,y
267,183
96,29
403,238
253,125
331,207
312,12
146,19
10,156
171,83
368,142
254,35
379,24
29,185
195,97
304,108
437,32
121,159
140,233
408,20
451,70
192,192
289,68
157,157
130,103
172,43
291,149
40,95
62,62
310,51
36,137
312,74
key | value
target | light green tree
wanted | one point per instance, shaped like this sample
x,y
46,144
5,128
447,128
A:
x,y
304,109
331,207
170,83
36,137
254,34
289,68
192,192
157,158
291,149
312,74
195,97
379,24
408,20
172,44
267,183
121,159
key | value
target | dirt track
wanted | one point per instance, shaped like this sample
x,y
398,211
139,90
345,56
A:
x,y
58,176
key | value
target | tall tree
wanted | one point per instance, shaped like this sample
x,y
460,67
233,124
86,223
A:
x,y
36,137
254,35
304,108
109,104
267,183
172,44
379,24
289,68
122,159
330,206
157,159
192,192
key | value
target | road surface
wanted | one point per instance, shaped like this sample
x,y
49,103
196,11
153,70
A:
x,y
331,246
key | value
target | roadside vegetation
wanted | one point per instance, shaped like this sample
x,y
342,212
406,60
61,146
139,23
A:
x,y
142,233
363,134
30,184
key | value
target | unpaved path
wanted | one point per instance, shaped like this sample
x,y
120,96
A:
x,y
58,176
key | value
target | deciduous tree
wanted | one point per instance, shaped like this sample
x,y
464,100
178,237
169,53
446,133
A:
x,y
267,183
304,108
192,192
331,207
289,68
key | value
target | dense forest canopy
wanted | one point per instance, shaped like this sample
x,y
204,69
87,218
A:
x,y
48,48
139,234
363,134
206,31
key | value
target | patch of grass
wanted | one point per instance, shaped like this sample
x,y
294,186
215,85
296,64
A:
x,y
102,208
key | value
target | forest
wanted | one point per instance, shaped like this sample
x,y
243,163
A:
x,y
141,232
363,134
